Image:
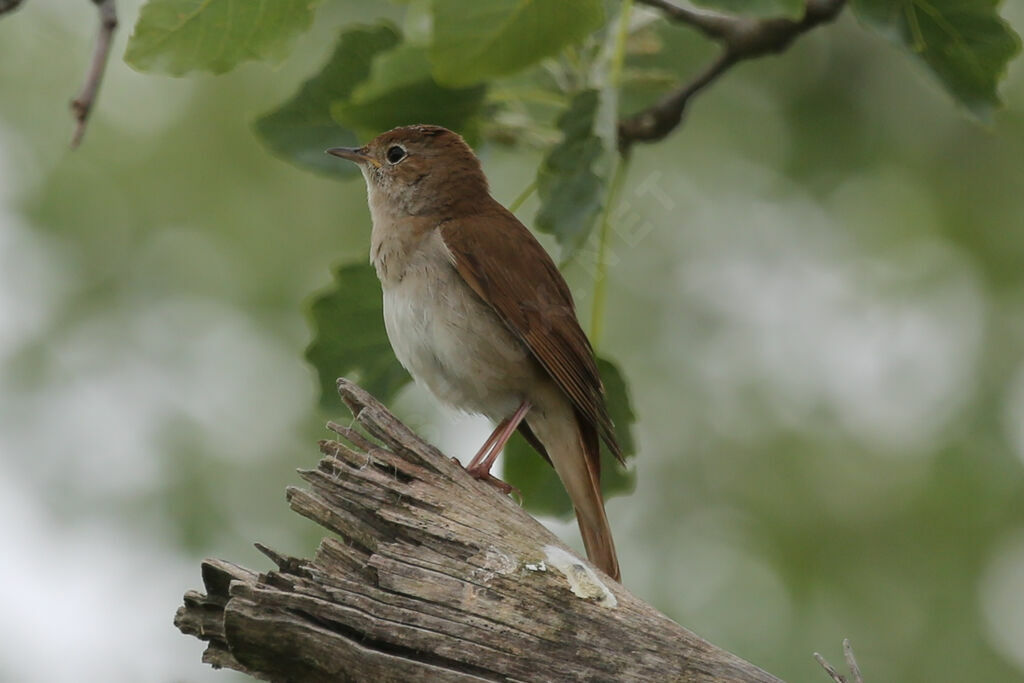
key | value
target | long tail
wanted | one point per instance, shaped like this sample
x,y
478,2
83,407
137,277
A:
x,y
590,514
573,447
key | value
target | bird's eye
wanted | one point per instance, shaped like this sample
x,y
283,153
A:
x,y
395,154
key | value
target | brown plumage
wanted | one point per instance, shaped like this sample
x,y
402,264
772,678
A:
x,y
477,312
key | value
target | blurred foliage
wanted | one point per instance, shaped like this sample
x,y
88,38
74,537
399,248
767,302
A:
x,y
350,339
815,295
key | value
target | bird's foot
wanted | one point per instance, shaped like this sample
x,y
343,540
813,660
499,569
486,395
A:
x,y
483,474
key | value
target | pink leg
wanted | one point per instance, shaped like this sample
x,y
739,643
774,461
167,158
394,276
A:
x,y
486,448
481,465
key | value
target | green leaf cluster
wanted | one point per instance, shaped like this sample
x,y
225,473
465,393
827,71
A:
x,y
536,51
373,82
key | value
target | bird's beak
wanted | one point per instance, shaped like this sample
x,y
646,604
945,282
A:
x,y
356,154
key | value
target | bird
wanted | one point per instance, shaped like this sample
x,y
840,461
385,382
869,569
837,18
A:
x,y
479,314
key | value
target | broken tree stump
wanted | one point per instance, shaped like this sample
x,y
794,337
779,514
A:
x,y
433,576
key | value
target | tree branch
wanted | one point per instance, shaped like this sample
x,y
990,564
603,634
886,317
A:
x,y
435,577
81,106
741,37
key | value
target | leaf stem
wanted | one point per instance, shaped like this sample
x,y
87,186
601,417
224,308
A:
x,y
614,188
619,56
523,196
601,271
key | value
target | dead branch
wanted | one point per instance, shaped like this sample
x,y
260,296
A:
x,y
741,38
851,663
82,105
433,576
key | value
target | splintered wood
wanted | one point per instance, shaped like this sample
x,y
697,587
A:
x,y
433,576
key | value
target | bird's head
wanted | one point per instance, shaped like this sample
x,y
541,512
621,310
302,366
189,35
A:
x,y
417,170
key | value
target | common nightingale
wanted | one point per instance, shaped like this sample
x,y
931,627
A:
x,y
479,314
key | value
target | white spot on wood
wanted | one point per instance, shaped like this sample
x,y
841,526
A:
x,y
583,582
536,566
494,561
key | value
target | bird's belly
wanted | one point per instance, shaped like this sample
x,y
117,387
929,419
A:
x,y
455,345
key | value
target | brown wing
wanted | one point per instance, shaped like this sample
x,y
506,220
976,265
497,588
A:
x,y
518,279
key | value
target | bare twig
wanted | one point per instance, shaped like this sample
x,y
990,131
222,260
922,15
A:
x,y
81,106
741,37
833,674
851,662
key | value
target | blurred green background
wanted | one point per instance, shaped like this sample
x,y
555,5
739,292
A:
x,y
816,293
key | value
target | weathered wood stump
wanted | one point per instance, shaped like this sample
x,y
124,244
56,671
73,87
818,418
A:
x,y
434,576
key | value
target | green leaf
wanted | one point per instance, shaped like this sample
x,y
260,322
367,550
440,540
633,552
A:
x,y
349,337
965,43
570,191
619,406
475,41
543,492
302,128
401,91
177,36
758,8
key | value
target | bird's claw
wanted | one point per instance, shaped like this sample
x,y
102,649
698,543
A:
x,y
503,486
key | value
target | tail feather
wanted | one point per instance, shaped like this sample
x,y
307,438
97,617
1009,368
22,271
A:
x,y
592,520
573,447
600,546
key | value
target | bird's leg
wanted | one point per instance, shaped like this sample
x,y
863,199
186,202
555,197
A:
x,y
498,440
486,448
480,467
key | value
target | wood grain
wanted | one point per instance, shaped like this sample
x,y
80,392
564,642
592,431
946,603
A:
x,y
433,576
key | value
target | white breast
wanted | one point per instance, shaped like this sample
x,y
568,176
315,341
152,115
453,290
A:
x,y
452,342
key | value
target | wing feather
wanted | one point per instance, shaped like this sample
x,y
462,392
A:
x,y
520,282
